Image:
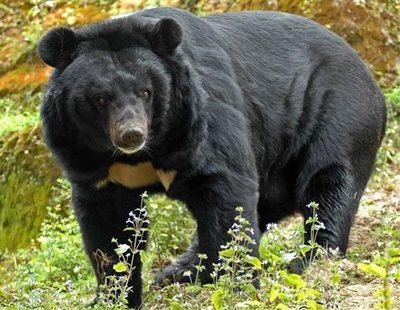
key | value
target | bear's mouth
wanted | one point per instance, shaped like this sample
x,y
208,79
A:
x,y
128,139
130,150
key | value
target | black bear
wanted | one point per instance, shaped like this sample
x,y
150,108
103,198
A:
x,y
264,110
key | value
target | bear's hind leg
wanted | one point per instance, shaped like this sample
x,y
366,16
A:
x,y
334,190
337,195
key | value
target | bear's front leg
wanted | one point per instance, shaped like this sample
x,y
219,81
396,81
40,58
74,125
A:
x,y
102,215
213,201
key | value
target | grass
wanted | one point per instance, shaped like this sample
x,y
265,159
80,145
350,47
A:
x,y
55,274
18,112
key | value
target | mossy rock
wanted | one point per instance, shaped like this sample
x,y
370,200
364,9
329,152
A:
x,y
27,175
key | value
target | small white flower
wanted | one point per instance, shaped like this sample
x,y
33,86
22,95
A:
x,y
144,195
334,252
187,273
50,4
272,226
319,226
287,257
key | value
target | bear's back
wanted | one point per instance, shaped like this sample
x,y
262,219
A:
x,y
265,49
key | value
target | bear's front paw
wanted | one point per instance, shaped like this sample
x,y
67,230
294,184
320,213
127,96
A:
x,y
176,272
298,265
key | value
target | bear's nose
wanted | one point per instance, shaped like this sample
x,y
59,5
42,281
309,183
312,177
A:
x,y
132,136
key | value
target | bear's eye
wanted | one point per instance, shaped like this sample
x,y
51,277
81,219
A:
x,y
101,101
145,94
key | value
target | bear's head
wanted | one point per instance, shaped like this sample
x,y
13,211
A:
x,y
111,85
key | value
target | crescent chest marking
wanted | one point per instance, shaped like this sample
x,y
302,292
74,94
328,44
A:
x,y
136,176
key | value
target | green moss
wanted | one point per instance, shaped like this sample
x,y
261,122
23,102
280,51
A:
x,y
27,175
22,210
17,112
12,123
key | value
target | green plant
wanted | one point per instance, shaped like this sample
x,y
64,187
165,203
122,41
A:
x,y
15,115
233,274
54,271
170,240
392,139
385,265
311,250
115,290
393,99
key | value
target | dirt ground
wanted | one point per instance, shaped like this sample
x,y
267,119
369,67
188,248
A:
x,y
365,237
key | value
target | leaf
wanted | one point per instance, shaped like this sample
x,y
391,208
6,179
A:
x,y
251,290
273,294
336,278
209,285
304,249
227,253
397,276
175,305
121,249
373,269
300,296
295,280
394,260
393,252
312,293
263,251
216,299
266,254
120,267
254,261
282,307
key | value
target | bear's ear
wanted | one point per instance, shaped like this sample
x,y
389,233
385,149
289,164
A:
x,y
166,36
56,46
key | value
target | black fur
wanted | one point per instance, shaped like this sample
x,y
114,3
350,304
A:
x,y
263,110
56,47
